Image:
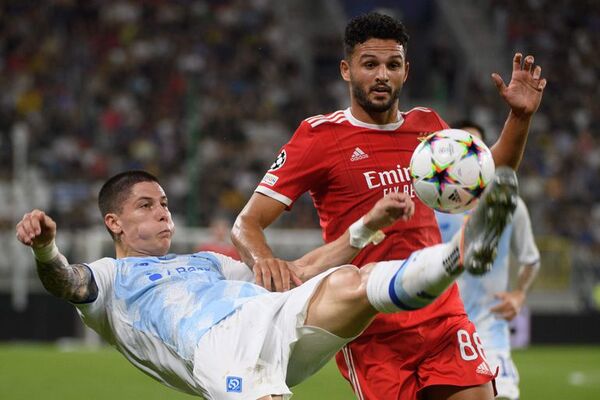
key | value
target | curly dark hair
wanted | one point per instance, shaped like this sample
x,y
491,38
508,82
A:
x,y
373,25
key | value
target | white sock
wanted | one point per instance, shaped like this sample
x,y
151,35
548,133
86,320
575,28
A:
x,y
410,284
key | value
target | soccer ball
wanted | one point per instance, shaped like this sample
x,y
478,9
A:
x,y
449,170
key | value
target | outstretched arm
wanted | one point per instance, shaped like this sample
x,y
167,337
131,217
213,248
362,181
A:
x,y
385,212
74,283
523,94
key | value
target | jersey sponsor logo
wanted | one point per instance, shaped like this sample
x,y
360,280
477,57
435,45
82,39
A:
x,y
391,181
279,161
269,179
358,154
233,384
175,271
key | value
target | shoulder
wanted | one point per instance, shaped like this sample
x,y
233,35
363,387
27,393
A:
x,y
316,121
102,264
424,116
210,256
419,110
521,211
207,254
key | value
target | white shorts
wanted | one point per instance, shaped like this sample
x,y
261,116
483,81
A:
x,y
264,348
507,381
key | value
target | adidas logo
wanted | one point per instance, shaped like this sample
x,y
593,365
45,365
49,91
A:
x,y
483,369
358,155
454,196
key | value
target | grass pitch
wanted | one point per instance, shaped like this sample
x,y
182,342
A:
x,y
47,372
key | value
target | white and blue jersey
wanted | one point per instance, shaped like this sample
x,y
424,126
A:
x,y
477,292
155,309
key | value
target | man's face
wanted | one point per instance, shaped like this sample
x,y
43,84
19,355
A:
x,y
377,70
144,223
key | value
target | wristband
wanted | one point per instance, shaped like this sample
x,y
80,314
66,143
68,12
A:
x,y
361,236
46,253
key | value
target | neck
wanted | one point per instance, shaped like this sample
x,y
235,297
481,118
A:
x,y
122,251
372,117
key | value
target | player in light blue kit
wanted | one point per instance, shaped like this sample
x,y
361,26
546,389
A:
x,y
197,323
488,302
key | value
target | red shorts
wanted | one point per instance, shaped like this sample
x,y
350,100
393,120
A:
x,y
399,364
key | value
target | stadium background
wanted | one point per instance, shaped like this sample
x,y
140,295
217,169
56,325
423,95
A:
x,y
203,93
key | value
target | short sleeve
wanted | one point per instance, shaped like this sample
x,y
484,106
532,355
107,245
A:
x,y
522,241
298,167
93,313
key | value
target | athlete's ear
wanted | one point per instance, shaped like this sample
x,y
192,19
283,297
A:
x,y
406,69
113,223
345,70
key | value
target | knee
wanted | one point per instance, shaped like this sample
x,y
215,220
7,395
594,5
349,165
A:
x,y
348,282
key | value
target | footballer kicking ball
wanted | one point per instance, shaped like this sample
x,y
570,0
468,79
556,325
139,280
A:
x,y
449,170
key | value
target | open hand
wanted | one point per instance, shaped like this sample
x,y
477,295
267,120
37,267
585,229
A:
x,y
524,91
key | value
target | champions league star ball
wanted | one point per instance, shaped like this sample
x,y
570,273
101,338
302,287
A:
x,y
450,169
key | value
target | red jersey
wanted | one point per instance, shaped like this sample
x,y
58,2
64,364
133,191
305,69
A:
x,y
347,166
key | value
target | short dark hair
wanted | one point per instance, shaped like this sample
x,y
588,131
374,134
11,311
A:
x,y
373,26
117,189
467,123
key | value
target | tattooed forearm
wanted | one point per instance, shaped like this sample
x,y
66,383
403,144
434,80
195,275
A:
x,y
70,282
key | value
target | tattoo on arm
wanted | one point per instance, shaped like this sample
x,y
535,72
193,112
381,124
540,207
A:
x,y
74,283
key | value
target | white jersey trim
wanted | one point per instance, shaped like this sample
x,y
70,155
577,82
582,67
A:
x,y
274,195
352,372
336,117
423,109
386,127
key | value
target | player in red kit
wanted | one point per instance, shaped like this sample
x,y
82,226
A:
x,y
348,160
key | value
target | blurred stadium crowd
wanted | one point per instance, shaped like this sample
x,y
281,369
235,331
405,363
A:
x,y
203,93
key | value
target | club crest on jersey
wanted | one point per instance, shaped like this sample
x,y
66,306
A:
x,y
234,384
423,135
279,161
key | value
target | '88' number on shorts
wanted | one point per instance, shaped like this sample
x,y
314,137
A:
x,y
470,349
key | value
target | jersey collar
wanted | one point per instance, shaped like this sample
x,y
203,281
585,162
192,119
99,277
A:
x,y
387,127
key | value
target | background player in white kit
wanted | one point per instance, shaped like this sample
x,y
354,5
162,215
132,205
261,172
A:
x,y
196,323
487,301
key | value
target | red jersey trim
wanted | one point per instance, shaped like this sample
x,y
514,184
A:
x,y
274,195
